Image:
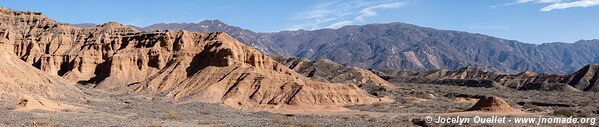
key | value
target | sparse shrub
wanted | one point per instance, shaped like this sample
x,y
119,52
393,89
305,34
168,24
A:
x,y
122,94
282,122
564,112
371,120
345,118
42,123
382,110
584,114
130,106
171,115
362,116
66,110
90,102
532,107
205,111
154,125
311,124
378,105
209,122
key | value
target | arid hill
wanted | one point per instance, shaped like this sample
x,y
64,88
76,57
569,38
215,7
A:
x,y
22,86
183,65
492,104
584,79
328,71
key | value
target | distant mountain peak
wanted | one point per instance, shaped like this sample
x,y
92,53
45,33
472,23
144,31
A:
x,y
212,21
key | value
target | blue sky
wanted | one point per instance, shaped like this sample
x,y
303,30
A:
x,y
531,21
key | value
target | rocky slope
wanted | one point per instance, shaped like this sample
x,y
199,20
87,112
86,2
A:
x,y
183,65
493,104
409,47
328,71
584,79
23,87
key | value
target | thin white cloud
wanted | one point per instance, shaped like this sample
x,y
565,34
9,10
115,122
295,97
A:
x,y
566,5
538,1
340,24
371,11
556,4
321,10
526,1
337,13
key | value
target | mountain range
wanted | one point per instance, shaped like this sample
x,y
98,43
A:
x,y
408,47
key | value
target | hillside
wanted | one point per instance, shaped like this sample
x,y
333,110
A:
x,y
409,47
23,87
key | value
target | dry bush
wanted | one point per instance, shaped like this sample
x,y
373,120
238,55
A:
x,y
42,123
362,116
564,112
205,111
209,122
311,124
154,124
532,107
66,110
171,115
371,120
90,102
282,122
130,106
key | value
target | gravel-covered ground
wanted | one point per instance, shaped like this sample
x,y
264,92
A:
x,y
413,103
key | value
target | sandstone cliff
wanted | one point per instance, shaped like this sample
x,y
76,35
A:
x,y
22,86
183,65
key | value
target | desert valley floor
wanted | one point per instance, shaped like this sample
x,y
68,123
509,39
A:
x,y
413,103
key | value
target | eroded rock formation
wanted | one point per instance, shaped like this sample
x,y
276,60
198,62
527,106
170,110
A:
x,y
186,66
328,71
492,104
22,84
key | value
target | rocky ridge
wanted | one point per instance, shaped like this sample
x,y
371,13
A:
x,y
328,71
581,80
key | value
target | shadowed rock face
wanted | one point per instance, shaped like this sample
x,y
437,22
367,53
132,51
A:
x,y
584,79
409,47
183,65
329,71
